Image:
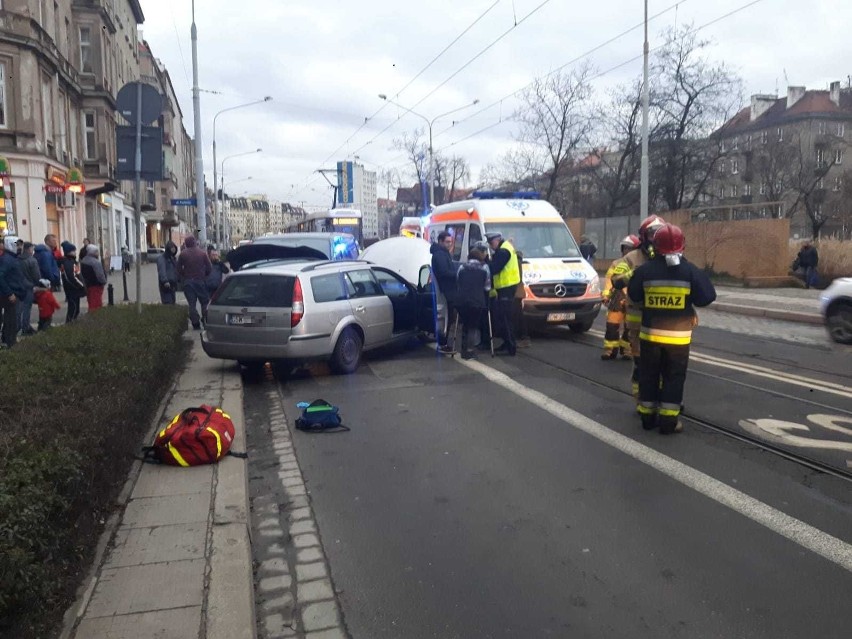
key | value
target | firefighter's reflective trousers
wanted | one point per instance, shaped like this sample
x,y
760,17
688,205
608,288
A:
x,y
616,338
662,373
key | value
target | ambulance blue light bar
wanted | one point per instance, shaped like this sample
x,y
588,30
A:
x,y
506,195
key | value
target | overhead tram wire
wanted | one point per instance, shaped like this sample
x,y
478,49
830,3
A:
x,y
459,70
570,62
594,77
410,82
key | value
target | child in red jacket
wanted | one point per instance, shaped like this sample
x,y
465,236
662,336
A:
x,y
47,304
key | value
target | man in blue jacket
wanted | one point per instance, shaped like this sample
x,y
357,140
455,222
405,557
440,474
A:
x,y
12,288
47,265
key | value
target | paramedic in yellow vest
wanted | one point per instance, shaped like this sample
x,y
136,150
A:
x,y
616,338
622,272
507,276
669,288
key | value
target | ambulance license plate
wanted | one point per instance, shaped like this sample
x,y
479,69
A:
x,y
560,317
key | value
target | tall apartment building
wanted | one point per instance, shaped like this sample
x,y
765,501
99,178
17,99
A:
x,y
62,63
789,156
357,189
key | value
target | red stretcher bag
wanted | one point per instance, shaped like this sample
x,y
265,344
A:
x,y
196,436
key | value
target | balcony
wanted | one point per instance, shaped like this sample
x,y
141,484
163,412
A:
x,y
27,28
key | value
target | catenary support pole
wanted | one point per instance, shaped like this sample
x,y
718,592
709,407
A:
x,y
201,205
137,195
643,189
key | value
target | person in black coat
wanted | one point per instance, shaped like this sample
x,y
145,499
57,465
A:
x,y
472,287
808,259
72,282
444,274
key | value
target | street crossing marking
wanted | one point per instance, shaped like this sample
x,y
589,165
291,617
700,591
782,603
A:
x,y
835,550
768,373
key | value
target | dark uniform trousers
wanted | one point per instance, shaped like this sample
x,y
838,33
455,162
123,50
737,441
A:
x,y
662,373
503,316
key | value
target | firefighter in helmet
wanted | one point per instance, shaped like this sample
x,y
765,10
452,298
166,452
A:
x,y
668,287
616,339
622,272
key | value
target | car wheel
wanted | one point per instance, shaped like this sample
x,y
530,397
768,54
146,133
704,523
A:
x,y
347,352
581,327
838,319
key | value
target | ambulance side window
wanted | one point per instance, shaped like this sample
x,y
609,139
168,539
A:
x,y
474,235
457,231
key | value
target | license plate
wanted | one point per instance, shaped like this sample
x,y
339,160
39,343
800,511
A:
x,y
239,320
560,317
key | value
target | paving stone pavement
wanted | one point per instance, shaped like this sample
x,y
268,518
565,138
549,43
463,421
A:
x,y
293,589
762,327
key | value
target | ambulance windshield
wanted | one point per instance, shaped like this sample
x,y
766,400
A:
x,y
538,239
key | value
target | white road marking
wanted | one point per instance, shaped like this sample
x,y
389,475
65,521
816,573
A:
x,y
811,538
768,373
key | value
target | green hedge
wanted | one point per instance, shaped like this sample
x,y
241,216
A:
x,y
76,403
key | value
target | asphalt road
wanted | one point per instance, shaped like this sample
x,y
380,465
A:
x,y
463,504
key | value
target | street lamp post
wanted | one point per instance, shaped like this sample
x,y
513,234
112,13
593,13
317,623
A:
x,y
429,123
225,220
216,210
201,204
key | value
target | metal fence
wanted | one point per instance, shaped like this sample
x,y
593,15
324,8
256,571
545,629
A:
x,y
607,233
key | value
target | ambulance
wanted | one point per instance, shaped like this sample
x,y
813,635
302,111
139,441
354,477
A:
x,y
411,227
562,288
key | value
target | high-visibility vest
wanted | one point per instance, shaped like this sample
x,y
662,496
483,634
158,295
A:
x,y
511,273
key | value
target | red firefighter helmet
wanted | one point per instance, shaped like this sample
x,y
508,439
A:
x,y
631,241
669,240
649,226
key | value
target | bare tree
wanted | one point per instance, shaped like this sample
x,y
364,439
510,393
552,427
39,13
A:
x,y
458,173
775,165
417,153
811,166
519,168
692,98
555,121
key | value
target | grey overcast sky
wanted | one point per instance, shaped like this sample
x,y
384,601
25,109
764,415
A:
x,y
324,62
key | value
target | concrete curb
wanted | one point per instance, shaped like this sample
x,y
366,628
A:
x,y
230,611
768,313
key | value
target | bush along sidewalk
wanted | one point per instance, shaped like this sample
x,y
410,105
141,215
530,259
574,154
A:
x,y
76,402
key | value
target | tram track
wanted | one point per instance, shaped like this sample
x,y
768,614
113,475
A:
x,y
800,459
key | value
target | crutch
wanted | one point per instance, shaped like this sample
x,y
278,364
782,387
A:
x,y
490,329
456,334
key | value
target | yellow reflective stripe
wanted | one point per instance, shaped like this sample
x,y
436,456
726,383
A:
x,y
669,412
611,343
634,318
664,339
180,460
669,290
218,442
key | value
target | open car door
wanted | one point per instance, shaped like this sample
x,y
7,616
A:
x,y
251,254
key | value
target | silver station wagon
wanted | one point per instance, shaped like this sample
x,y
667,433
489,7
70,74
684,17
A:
x,y
296,311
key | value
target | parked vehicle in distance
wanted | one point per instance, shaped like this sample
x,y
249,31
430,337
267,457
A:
x,y
561,288
297,311
835,305
328,246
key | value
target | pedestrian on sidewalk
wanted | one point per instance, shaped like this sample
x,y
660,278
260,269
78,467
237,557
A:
x,y
32,275
72,283
47,304
12,289
472,286
47,264
808,259
669,288
220,270
193,267
84,248
167,273
94,277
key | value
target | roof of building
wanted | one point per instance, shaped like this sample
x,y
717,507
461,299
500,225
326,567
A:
x,y
811,104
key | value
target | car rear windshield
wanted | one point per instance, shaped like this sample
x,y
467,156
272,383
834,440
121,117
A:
x,y
538,239
316,243
257,289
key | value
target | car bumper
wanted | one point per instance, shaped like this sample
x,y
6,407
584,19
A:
x,y
297,348
585,310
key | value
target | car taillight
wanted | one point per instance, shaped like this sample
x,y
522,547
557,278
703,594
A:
x,y
298,309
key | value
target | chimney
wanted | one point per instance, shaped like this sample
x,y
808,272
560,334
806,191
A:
x,y
834,93
794,94
760,104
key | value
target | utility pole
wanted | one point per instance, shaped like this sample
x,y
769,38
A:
x,y
643,187
201,205
137,195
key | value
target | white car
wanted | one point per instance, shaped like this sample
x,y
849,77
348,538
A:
x,y
835,304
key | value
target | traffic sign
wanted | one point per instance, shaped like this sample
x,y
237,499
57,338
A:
x,y
152,153
185,201
152,102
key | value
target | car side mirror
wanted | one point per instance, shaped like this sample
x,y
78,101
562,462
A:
x,y
424,278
